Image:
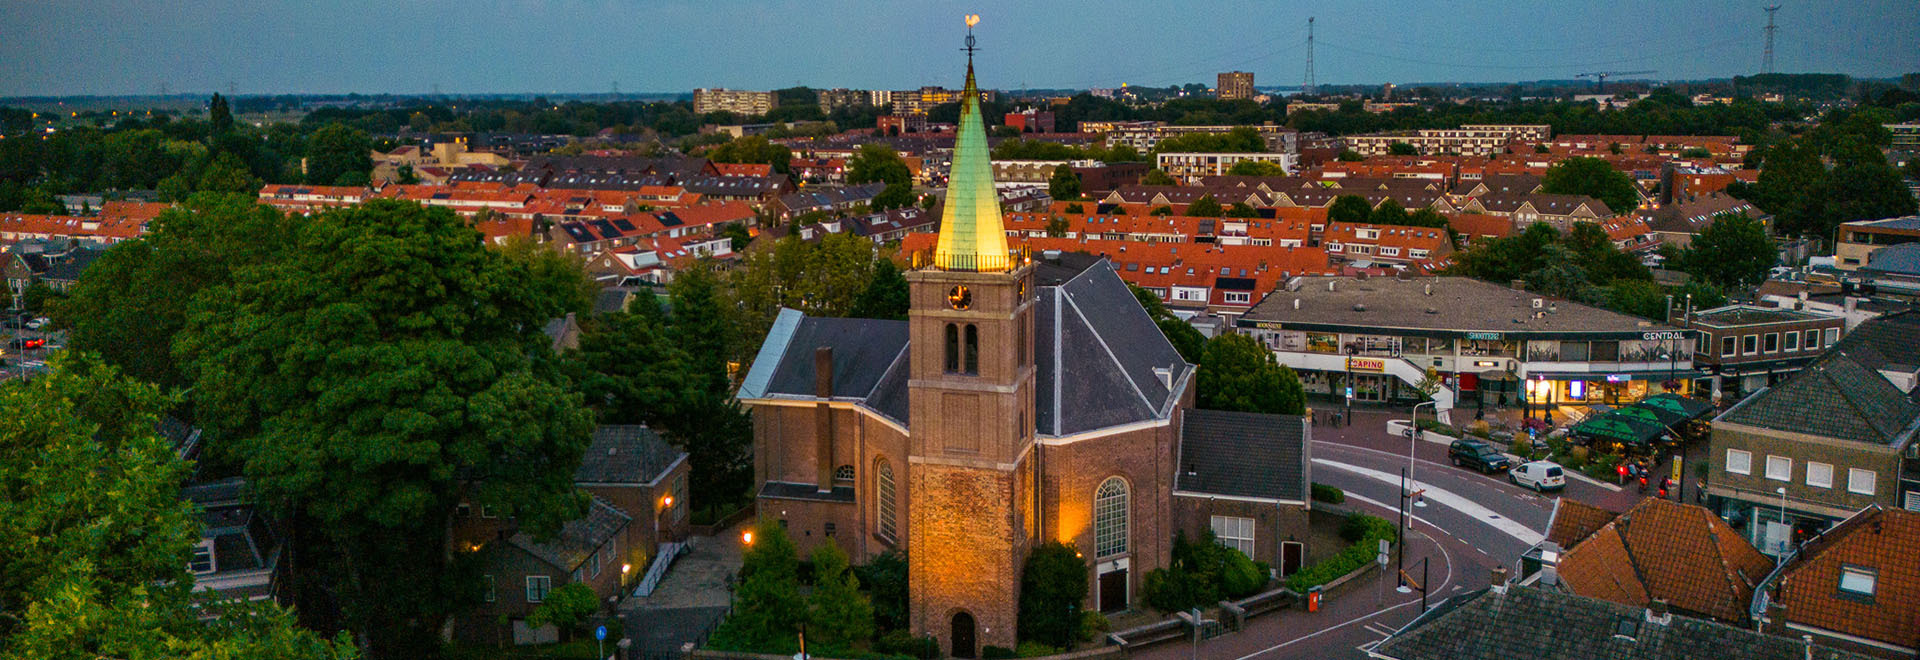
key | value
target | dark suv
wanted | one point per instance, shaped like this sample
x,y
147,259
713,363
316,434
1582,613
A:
x,y
1478,455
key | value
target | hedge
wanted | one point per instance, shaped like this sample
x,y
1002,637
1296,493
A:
x,y
1328,494
1353,558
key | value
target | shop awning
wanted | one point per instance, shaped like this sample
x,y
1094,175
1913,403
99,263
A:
x,y
1643,414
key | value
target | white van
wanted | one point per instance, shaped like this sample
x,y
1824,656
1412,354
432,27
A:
x,y
1542,476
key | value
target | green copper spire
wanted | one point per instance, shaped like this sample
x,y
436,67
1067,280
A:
x,y
971,235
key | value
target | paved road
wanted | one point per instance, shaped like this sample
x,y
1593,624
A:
x,y
1471,524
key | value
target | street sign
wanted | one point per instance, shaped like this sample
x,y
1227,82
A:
x,y
1349,391
1382,558
1676,468
600,633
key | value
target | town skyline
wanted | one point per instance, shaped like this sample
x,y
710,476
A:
x,y
418,49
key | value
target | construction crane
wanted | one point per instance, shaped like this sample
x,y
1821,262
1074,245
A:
x,y
1600,77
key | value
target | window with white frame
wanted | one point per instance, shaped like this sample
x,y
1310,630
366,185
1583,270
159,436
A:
x,y
1793,341
1772,343
1819,475
883,484
201,563
1336,248
488,591
1833,335
1726,346
1750,345
1858,582
1367,234
1418,253
1739,462
1234,532
1860,481
1359,249
1110,518
537,587
1239,297
1813,340
1779,468
1389,251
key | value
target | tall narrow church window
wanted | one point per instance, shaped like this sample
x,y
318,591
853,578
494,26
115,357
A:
x,y
953,348
1110,518
883,487
1021,345
973,349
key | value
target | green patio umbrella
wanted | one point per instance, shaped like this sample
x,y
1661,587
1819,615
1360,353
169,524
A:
x,y
1618,428
1674,404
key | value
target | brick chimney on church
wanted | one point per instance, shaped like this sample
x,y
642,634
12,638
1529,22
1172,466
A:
x,y
823,418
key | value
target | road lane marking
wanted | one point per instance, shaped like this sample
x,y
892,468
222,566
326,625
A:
x,y
1447,499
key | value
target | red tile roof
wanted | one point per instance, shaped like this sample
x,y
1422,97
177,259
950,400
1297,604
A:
x,y
1881,540
1683,554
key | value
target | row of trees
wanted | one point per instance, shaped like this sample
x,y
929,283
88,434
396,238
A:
x,y
1585,266
1833,174
178,158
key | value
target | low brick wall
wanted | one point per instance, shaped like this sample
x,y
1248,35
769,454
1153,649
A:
x,y
1102,653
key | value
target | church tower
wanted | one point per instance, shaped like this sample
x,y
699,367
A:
x,y
971,465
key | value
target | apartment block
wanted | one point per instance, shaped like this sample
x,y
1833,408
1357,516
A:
x,y
736,101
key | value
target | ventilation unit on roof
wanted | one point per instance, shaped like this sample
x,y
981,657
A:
x,y
1539,303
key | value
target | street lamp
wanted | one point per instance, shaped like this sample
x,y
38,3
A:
x,y
1413,438
1785,531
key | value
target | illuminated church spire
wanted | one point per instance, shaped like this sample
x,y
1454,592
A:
x,y
971,235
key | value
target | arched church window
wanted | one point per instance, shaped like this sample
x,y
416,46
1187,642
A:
x,y
973,350
883,489
1110,518
953,348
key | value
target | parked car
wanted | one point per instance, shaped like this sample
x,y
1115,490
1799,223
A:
x,y
1478,455
26,343
1541,476
38,323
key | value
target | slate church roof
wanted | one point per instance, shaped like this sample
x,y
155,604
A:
x,y
1100,361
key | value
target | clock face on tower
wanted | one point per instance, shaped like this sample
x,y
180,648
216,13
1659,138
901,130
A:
x,y
960,297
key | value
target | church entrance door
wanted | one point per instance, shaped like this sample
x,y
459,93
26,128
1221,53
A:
x,y
1113,590
963,640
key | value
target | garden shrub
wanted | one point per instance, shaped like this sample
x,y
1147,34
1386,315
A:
x,y
1359,554
1328,494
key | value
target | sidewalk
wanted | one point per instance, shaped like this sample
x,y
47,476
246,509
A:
x,y
691,598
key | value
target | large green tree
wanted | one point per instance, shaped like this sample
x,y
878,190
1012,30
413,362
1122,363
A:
x,y
1205,207
94,538
1237,373
1256,168
1733,252
130,302
1594,178
369,380
886,295
878,162
754,149
339,155
768,607
1053,584
839,614
1349,208
557,276
1064,185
